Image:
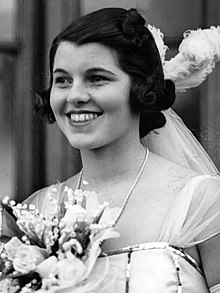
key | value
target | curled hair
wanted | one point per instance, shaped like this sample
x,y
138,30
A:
x,y
125,32
42,106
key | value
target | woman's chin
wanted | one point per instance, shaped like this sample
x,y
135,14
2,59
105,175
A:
x,y
84,144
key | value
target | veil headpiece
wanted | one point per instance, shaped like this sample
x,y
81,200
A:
x,y
198,53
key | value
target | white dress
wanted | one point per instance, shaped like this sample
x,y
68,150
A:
x,y
162,266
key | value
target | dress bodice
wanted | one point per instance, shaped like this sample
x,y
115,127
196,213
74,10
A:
x,y
150,267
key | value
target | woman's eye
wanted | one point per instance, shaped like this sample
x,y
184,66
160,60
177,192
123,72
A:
x,y
62,81
97,79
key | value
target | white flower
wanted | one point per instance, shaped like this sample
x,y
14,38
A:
x,y
72,243
197,55
73,212
45,267
12,247
201,47
28,257
70,270
6,286
158,38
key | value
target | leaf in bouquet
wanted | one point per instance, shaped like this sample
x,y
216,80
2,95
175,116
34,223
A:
x,y
9,225
35,239
9,210
86,241
62,209
99,214
81,229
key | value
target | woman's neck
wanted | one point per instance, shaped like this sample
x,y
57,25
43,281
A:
x,y
109,165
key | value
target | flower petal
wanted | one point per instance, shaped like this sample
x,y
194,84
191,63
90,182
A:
x,y
44,268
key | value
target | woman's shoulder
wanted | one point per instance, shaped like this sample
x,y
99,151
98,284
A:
x,y
171,176
166,165
194,212
182,185
176,171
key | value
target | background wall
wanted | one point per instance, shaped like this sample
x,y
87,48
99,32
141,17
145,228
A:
x,y
7,57
172,16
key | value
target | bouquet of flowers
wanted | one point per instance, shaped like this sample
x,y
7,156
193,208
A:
x,y
58,252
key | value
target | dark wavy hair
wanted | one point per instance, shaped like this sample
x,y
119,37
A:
x,y
125,32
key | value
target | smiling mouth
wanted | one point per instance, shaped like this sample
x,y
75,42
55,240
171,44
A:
x,y
82,117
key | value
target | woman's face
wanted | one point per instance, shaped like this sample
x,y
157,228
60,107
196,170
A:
x,y
90,96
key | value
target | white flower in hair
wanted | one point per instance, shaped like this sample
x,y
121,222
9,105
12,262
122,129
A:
x,y
201,47
198,53
158,38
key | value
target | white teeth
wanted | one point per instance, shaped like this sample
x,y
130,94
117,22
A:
x,y
82,117
76,118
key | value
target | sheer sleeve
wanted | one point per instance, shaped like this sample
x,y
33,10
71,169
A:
x,y
41,197
195,214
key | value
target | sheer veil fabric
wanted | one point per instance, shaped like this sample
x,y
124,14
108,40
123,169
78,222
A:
x,y
176,143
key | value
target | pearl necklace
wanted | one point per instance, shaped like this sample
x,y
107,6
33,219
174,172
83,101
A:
x,y
126,199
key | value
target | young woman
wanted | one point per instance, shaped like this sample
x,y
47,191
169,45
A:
x,y
107,91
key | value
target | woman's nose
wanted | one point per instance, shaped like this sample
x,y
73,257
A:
x,y
78,94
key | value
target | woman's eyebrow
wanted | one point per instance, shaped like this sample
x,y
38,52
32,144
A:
x,y
99,69
60,70
90,70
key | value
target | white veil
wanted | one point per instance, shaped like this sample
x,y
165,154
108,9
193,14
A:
x,y
198,53
176,143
